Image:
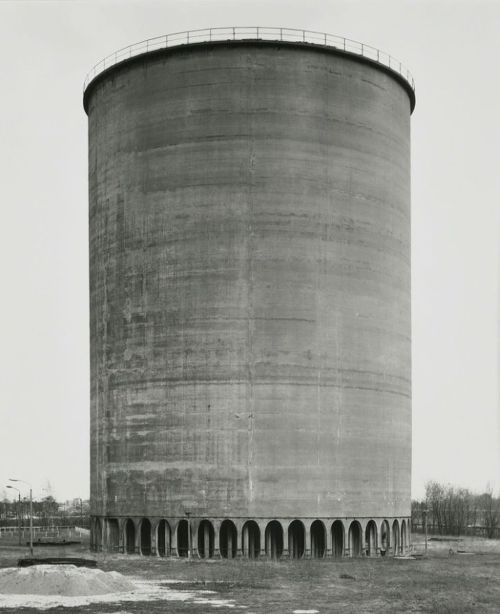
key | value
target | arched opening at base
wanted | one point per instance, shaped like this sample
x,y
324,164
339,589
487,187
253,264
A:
x,y
355,539
130,537
296,540
251,539
183,538
385,541
163,538
337,538
403,537
371,539
113,535
145,537
318,539
395,538
228,540
274,540
206,539
97,535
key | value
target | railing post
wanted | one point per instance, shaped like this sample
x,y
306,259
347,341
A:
x,y
234,34
362,49
378,55
325,39
303,36
166,40
281,34
187,33
257,32
210,34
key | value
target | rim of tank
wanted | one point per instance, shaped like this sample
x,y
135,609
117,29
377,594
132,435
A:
x,y
254,34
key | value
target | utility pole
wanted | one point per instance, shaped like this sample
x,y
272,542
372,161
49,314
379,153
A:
x,y
31,522
31,511
425,511
18,514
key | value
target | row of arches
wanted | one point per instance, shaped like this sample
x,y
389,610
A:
x,y
295,540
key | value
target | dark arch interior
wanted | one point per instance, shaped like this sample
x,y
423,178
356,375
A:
x,y
371,538
163,538
228,540
98,534
130,537
403,536
206,539
145,537
395,537
251,539
113,535
318,539
182,538
384,538
355,540
296,539
274,540
337,538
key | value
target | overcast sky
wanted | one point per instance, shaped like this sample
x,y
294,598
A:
x,y
453,51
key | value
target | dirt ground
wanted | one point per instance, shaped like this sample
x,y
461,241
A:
x,y
444,582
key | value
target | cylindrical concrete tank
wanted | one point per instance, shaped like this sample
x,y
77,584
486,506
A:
x,y
249,298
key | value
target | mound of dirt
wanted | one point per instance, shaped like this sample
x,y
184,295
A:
x,y
66,580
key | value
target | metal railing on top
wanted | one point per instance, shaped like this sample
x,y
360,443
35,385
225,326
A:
x,y
250,33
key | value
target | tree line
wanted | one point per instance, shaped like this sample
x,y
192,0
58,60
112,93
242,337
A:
x,y
452,510
46,512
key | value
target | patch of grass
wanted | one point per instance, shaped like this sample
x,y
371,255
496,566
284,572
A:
x,y
436,583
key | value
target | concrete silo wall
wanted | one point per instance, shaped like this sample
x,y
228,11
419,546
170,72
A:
x,y
250,285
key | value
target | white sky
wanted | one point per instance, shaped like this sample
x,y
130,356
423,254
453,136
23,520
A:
x,y
453,51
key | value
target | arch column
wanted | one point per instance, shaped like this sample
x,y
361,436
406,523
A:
x,y
194,525
173,537
379,537
137,536
404,535
346,523
154,536
245,543
104,535
121,541
262,537
216,524
328,539
307,540
240,546
286,546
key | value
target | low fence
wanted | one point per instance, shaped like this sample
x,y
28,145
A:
x,y
40,532
46,522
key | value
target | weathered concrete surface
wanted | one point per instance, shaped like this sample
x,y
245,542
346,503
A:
x,y
250,285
